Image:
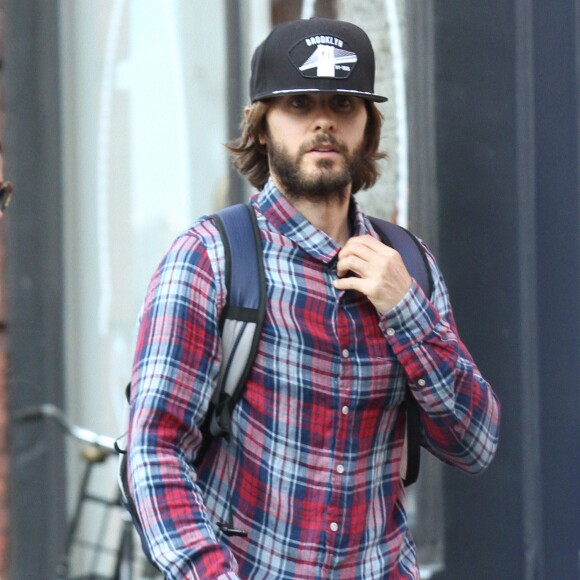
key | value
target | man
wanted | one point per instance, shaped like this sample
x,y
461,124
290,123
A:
x,y
312,471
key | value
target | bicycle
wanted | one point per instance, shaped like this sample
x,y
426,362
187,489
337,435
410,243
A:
x,y
124,561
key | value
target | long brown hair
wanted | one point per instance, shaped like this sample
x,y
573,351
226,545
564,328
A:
x,y
250,157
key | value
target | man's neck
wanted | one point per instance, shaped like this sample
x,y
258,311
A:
x,y
329,216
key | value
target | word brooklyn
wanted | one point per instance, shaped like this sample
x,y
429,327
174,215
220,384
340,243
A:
x,y
324,40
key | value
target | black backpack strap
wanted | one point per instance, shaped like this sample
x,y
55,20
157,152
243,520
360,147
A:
x,y
413,439
243,315
415,259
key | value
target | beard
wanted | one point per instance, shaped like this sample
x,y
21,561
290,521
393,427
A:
x,y
328,182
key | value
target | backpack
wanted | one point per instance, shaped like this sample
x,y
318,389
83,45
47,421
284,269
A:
x,y
243,317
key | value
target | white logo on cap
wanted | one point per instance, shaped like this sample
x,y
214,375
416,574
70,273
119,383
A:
x,y
328,59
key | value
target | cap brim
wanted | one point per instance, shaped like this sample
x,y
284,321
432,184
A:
x,y
353,93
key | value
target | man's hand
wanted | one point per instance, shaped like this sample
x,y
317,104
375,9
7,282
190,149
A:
x,y
368,266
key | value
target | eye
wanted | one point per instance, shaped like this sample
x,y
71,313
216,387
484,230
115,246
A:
x,y
342,103
300,101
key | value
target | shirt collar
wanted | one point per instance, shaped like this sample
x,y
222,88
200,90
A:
x,y
284,217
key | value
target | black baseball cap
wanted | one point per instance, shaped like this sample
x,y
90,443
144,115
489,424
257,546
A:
x,y
315,55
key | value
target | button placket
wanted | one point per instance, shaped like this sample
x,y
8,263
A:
x,y
345,359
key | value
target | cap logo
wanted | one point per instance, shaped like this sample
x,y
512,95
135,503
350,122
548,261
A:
x,y
323,56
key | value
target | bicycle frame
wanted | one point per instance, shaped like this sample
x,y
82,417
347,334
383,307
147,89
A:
x,y
99,448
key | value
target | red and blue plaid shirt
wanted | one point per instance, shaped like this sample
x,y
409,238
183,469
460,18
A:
x,y
312,471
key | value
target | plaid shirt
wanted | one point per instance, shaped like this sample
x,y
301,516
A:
x,y
312,471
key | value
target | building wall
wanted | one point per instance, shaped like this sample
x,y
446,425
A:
x,y
508,171
33,282
4,459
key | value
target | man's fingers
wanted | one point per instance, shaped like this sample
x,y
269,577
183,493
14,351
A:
x,y
362,255
364,244
374,269
350,265
350,283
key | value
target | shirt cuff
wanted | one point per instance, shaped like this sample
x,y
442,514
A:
x,y
412,319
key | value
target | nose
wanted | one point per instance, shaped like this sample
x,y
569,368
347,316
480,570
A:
x,y
324,119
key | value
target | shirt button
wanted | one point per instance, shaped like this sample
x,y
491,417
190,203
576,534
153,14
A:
x,y
334,527
340,468
390,331
345,353
421,382
345,410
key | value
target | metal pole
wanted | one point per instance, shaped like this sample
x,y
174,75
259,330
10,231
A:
x,y
235,90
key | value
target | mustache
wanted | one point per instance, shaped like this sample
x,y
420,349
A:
x,y
325,139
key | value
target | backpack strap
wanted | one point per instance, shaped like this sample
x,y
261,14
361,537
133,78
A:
x,y
415,260
240,327
243,315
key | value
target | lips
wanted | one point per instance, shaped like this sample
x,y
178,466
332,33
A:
x,y
325,148
324,144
